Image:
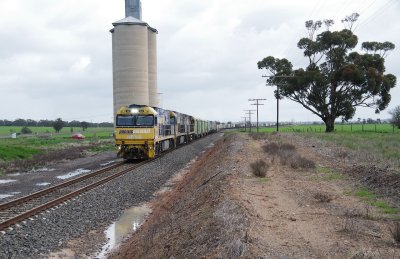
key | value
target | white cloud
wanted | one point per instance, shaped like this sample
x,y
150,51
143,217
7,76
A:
x,y
81,64
55,56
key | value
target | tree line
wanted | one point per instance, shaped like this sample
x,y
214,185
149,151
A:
x,y
50,123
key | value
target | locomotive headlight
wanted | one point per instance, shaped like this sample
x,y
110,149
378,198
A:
x,y
134,111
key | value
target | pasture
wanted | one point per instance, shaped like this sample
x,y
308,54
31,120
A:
x,y
380,141
7,130
25,146
345,128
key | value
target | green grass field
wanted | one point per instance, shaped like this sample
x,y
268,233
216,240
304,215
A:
x,y
349,128
26,146
383,143
7,130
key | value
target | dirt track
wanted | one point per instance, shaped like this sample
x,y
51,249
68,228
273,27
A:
x,y
219,209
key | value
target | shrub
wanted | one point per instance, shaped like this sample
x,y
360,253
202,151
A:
x,y
298,161
288,155
259,168
322,197
287,147
26,130
396,232
258,136
271,148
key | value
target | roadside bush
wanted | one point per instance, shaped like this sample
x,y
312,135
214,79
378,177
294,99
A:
x,y
274,148
396,232
259,168
287,147
258,136
26,130
322,197
271,148
299,162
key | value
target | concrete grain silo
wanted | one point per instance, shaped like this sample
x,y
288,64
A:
x,y
152,59
134,59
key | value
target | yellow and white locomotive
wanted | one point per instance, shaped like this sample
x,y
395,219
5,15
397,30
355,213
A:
x,y
143,132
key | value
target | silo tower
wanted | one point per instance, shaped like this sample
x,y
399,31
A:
x,y
134,52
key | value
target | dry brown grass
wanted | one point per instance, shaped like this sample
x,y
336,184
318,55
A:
x,y
259,168
271,148
288,155
299,162
323,197
395,230
258,136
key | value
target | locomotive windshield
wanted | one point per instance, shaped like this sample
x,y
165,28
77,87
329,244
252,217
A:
x,y
135,120
145,120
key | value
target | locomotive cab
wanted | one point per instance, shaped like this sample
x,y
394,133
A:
x,y
135,130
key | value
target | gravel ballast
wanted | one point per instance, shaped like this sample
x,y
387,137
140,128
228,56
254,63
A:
x,y
51,230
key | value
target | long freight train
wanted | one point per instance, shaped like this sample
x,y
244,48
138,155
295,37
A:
x,y
144,132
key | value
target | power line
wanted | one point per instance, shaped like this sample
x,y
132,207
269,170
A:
x,y
258,104
377,13
249,112
278,95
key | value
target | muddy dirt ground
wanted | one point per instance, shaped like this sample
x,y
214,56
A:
x,y
219,209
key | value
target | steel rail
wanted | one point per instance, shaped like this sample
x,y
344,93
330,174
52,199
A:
x,y
43,192
59,200
55,202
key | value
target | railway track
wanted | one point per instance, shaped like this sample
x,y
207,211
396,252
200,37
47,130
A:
x,y
25,207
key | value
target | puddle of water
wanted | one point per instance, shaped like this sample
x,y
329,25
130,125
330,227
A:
x,y
15,174
128,222
107,163
7,181
42,184
73,173
3,196
40,170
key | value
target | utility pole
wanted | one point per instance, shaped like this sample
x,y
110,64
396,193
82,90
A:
x,y
277,95
249,112
258,104
245,128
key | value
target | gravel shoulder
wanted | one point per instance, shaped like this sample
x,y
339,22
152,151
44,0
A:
x,y
220,210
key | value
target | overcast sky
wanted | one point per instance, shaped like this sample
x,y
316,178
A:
x,y
55,56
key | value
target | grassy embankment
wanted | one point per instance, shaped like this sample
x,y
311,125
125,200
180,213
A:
x,y
26,146
345,128
378,141
383,143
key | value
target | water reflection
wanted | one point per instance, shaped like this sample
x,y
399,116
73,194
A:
x,y
128,222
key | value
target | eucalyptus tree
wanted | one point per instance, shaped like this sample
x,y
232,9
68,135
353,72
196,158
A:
x,y
336,79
